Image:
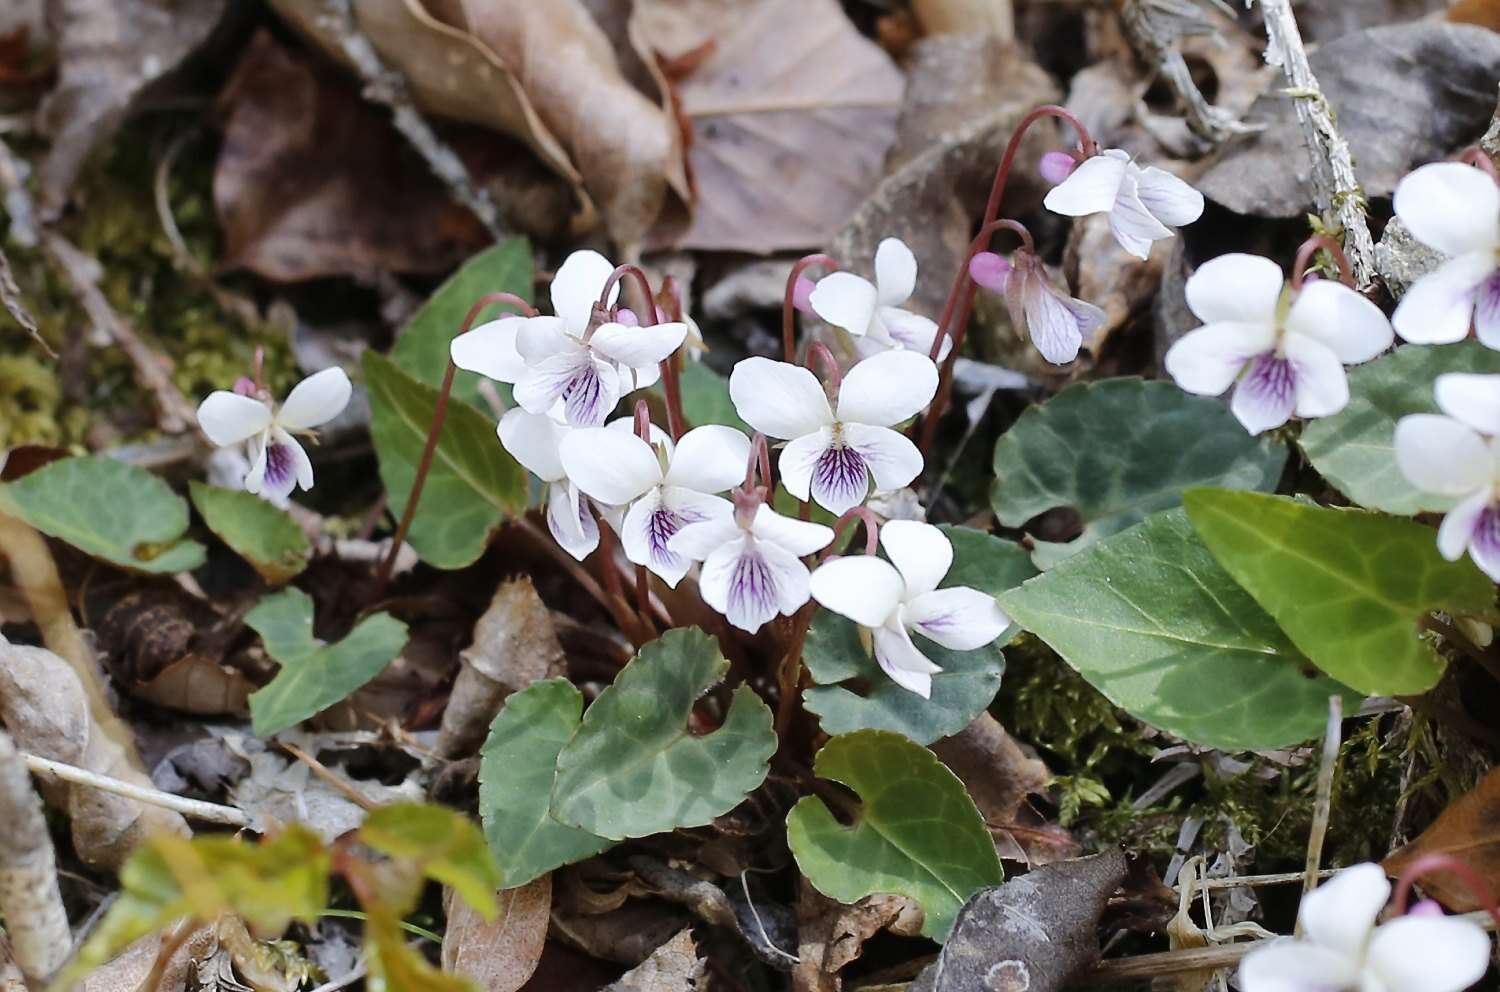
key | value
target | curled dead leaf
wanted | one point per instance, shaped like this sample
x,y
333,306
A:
x,y
672,967
1468,830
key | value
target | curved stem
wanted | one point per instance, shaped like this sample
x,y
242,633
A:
x,y
644,284
788,310
819,354
671,367
872,530
1479,158
1478,887
1305,256
434,430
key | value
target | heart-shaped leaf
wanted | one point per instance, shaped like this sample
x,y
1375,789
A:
x,y
1349,587
634,769
1119,450
264,535
474,484
314,675
106,508
516,768
917,833
1154,622
1355,448
422,348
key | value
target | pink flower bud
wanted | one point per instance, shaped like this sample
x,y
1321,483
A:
x,y
1425,907
990,270
802,294
627,316
1057,166
245,386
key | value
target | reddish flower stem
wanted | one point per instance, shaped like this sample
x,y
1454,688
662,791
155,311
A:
x,y
1305,255
954,321
872,530
1479,158
789,311
760,457
671,368
434,430
670,385
630,622
819,354
1445,862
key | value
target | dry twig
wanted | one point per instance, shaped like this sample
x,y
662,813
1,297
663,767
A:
x,y
1152,26
229,816
1323,800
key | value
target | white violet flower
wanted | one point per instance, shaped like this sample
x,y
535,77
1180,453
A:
x,y
752,568
1056,323
1344,951
894,598
666,486
1143,204
872,311
834,451
1454,208
278,464
1291,346
565,358
534,440
1459,455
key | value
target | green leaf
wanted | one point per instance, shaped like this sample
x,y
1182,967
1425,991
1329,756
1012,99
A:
x,y
633,769
1355,448
168,878
852,693
314,675
397,966
1151,619
473,485
516,768
111,510
705,398
422,348
1119,450
917,834
264,535
1349,587
443,844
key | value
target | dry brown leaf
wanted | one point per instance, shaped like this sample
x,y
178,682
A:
x,y
498,955
997,772
514,646
312,181
619,141
127,971
165,646
1469,830
627,935
1099,271
790,110
672,967
107,54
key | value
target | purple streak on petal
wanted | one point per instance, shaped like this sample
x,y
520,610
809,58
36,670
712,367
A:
x,y
1056,166
661,526
1484,546
281,468
582,397
752,589
1270,387
840,477
1487,311
990,270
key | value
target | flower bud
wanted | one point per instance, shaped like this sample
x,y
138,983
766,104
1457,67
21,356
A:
x,y
1057,166
990,270
802,294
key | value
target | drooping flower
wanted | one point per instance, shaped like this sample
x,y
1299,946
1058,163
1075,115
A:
x,y
667,487
534,440
990,270
1455,209
565,357
1291,346
278,463
894,598
834,452
752,562
1057,323
1143,204
1459,455
872,311
1344,951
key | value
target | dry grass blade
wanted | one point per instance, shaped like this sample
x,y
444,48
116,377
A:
x,y
10,298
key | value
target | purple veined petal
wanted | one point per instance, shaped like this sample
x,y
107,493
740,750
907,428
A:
x,y
1487,312
1266,396
889,456
1171,200
737,581
657,517
1484,543
568,518
799,458
1134,226
958,618
1052,325
791,578
279,466
840,477
588,387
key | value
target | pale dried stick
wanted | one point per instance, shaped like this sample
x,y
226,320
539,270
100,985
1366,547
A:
x,y
1323,801
228,816
30,900
1334,183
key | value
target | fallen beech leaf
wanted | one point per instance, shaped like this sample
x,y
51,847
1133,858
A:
x,y
620,142
1404,95
627,935
107,54
514,646
311,181
788,126
672,967
498,955
997,773
1036,932
278,790
1470,831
